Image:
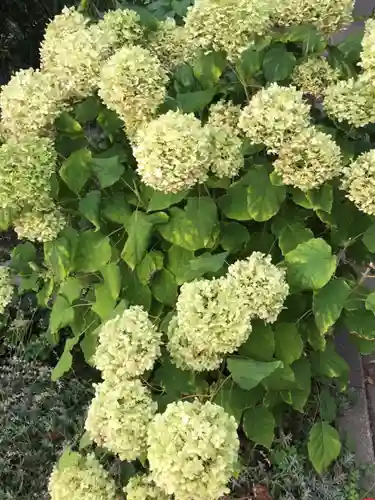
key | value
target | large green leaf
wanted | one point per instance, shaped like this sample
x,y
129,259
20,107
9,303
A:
x,y
263,198
206,263
311,264
117,209
192,228
108,170
328,303
66,359
60,253
233,204
71,289
259,424
178,262
62,314
87,110
164,287
288,342
136,292
261,343
324,446
370,302
89,206
192,102
292,235
282,379
249,64
104,301
328,363
208,67
233,236
160,200
151,263
278,63
93,252
112,279
139,235
300,395
327,405
235,400
361,322
248,373
76,170
369,238
308,35
22,255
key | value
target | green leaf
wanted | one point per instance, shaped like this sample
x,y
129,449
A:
x,y
22,255
233,204
311,264
235,400
233,236
192,102
282,379
76,169
324,446
248,373
208,68
328,303
192,228
259,424
68,458
249,64
292,235
93,252
66,124
328,363
309,35
62,314
89,206
370,302
108,170
164,287
59,254
136,292
207,263
139,236
178,262
87,110
361,322
112,279
351,46
327,405
160,201
71,289
278,63
109,121
117,210
302,373
104,303
288,343
151,263
261,343
316,199
338,61
6,217
263,198
363,346
369,238
65,362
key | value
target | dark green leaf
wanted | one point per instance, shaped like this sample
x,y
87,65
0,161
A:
x,y
93,252
248,373
139,236
89,206
62,314
309,35
259,424
328,303
233,204
87,110
261,343
351,46
104,301
117,210
328,363
65,362
151,263
263,198
208,68
288,343
178,262
249,64
76,170
302,373
361,322
59,254
278,63
164,287
112,279
22,255
107,170
292,235
324,446
207,263
235,400
136,292
338,61
192,102
316,199
369,238
160,201
71,289
282,379
66,124
233,236
327,405
109,121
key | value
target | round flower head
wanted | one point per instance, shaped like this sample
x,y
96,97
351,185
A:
x,y
273,115
192,450
225,113
210,323
171,44
230,25
368,49
359,182
132,83
6,288
260,285
29,104
314,75
26,167
327,15
173,152
119,416
142,487
120,27
308,159
83,480
226,157
352,101
128,345
39,226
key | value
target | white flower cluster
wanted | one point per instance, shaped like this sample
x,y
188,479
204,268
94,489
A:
x,y
39,226
359,182
128,345
308,159
225,113
213,316
274,115
132,83
6,288
118,28
368,51
142,487
173,152
119,416
85,480
314,75
193,450
230,26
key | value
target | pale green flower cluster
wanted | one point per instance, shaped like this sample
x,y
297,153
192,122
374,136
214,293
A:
x,y
213,316
142,487
192,450
39,226
274,115
6,288
368,50
359,182
173,152
308,159
314,75
327,15
118,28
210,323
29,104
225,113
84,480
229,26
128,345
119,416
132,83
261,286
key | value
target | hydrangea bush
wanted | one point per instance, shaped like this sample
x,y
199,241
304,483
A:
x,y
203,191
